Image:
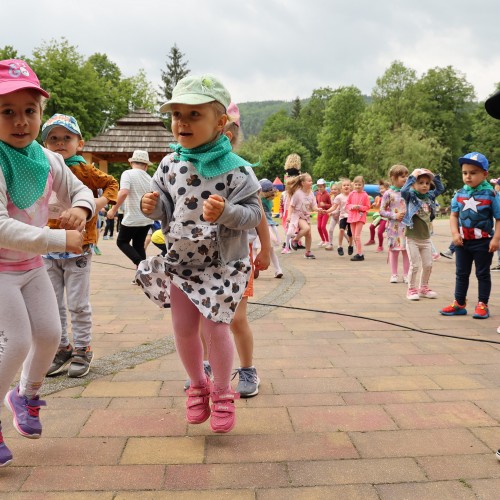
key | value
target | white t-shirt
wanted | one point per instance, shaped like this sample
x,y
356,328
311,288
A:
x,y
138,182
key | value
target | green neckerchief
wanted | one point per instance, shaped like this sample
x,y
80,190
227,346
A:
x,y
74,160
479,187
394,188
420,195
212,159
26,171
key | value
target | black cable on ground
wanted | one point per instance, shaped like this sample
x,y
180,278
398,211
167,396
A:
x,y
357,316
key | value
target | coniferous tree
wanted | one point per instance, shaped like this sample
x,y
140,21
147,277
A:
x,y
176,70
296,109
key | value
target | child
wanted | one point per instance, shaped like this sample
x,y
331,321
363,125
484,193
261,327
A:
x,y
378,221
70,272
393,209
420,199
339,204
358,203
29,176
324,202
293,164
334,191
473,209
302,203
267,195
206,201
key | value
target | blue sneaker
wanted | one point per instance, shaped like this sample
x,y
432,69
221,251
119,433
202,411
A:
x,y
248,385
5,453
25,412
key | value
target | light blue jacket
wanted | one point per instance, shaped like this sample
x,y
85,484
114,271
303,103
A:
x,y
414,203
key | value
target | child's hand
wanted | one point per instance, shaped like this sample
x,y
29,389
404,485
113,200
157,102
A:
x,y
457,240
263,259
493,245
74,218
74,241
213,207
149,201
400,216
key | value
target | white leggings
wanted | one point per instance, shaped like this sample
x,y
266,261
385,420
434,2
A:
x,y
30,329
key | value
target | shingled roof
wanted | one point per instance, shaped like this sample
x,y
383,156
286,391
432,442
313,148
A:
x,y
138,130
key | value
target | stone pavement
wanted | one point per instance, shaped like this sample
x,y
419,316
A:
x,y
349,408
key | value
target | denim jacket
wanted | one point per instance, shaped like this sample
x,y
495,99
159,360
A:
x,y
413,202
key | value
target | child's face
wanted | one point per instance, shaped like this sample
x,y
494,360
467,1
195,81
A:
x,y
423,184
399,181
346,187
20,118
382,189
334,191
358,186
195,125
64,142
473,175
321,188
307,183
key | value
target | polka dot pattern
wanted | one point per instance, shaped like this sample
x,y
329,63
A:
x,y
25,171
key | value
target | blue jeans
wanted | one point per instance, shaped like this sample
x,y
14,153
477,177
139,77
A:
x,y
473,251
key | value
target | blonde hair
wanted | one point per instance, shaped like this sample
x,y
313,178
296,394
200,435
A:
x,y
384,183
293,161
359,178
293,184
397,171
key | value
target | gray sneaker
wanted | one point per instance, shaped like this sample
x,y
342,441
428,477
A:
x,y
248,385
80,362
208,372
61,360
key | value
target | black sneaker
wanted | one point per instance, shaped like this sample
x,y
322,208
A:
x,y
350,250
340,251
497,454
61,360
309,255
80,362
358,257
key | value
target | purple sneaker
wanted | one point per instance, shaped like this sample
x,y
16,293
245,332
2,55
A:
x,y
25,412
5,454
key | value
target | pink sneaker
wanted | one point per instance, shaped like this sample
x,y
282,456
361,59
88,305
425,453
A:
x,y
286,250
412,294
426,292
370,242
198,404
380,249
223,411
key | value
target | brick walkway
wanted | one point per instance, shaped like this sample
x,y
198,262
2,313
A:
x,y
348,408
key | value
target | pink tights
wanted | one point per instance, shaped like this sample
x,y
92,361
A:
x,y
393,261
356,228
186,321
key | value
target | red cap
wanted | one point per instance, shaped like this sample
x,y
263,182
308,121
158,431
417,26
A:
x,y
15,74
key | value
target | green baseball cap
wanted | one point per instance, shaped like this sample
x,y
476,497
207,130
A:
x,y
198,90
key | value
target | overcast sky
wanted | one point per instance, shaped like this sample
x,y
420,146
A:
x,y
271,49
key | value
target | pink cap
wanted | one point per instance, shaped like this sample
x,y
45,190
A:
x,y
234,113
16,75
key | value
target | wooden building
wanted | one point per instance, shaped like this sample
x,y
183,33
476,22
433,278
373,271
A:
x,y
138,130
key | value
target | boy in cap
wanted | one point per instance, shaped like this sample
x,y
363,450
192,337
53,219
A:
x,y
324,202
473,209
70,272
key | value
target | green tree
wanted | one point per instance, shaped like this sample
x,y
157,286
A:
x,y
296,108
340,123
105,69
176,70
9,52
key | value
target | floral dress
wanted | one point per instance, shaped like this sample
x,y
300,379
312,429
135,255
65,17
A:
x,y
392,204
192,262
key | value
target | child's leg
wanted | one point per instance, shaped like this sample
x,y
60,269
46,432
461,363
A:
x,y
304,231
349,234
482,260
356,228
333,223
40,302
243,336
415,262
322,221
341,236
381,231
426,257
372,233
406,262
276,263
393,261
463,262
186,322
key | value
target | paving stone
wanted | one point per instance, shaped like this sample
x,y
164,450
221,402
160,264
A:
x,y
445,490
351,492
103,389
466,467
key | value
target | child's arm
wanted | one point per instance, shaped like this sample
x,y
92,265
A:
x,y
455,232
405,190
495,241
334,207
109,186
439,187
365,206
263,258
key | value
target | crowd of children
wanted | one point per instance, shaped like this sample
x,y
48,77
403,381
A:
x,y
209,201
